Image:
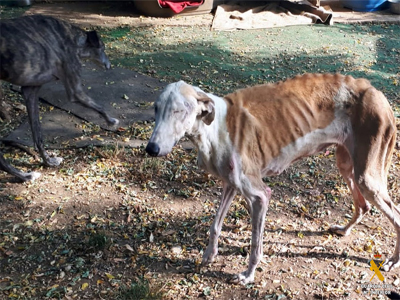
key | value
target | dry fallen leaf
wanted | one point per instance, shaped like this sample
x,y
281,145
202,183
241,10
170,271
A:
x,y
128,247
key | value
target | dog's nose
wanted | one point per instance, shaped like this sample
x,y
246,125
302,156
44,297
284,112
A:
x,y
153,149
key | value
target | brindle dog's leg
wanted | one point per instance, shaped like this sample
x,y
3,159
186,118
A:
x,y
75,93
30,94
5,166
3,109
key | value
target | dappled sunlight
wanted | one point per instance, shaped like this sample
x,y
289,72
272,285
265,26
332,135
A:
x,y
110,221
223,61
111,216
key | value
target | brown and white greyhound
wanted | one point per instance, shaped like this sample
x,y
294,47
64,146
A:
x,y
259,131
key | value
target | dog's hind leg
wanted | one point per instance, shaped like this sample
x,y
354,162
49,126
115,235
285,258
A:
x,y
345,165
375,134
215,230
374,188
5,166
30,94
4,113
373,185
75,92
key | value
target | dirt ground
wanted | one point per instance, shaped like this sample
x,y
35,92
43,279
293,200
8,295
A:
x,y
113,223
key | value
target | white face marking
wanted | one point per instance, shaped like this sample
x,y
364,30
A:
x,y
175,114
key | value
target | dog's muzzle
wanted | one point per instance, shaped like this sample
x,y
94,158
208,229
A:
x,y
153,149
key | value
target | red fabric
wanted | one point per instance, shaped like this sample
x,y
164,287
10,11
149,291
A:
x,y
178,6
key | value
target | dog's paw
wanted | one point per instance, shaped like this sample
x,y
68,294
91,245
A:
x,y
340,230
53,161
31,176
209,255
390,264
242,278
113,121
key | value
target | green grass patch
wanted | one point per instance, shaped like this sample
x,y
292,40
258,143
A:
x,y
224,61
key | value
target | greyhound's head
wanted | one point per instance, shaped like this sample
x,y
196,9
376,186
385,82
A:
x,y
92,47
177,110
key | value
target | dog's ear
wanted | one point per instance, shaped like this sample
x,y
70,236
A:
x,y
93,39
207,108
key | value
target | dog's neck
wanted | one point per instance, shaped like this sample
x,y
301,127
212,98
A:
x,y
212,141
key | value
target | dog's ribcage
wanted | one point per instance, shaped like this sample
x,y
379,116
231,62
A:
x,y
273,125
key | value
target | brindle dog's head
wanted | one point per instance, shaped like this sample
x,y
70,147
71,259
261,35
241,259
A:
x,y
92,47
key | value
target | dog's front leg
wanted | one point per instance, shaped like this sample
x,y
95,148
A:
x,y
228,194
75,93
5,166
30,94
260,201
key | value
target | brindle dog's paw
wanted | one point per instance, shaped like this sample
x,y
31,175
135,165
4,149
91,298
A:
x,y
113,121
53,161
25,177
31,176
